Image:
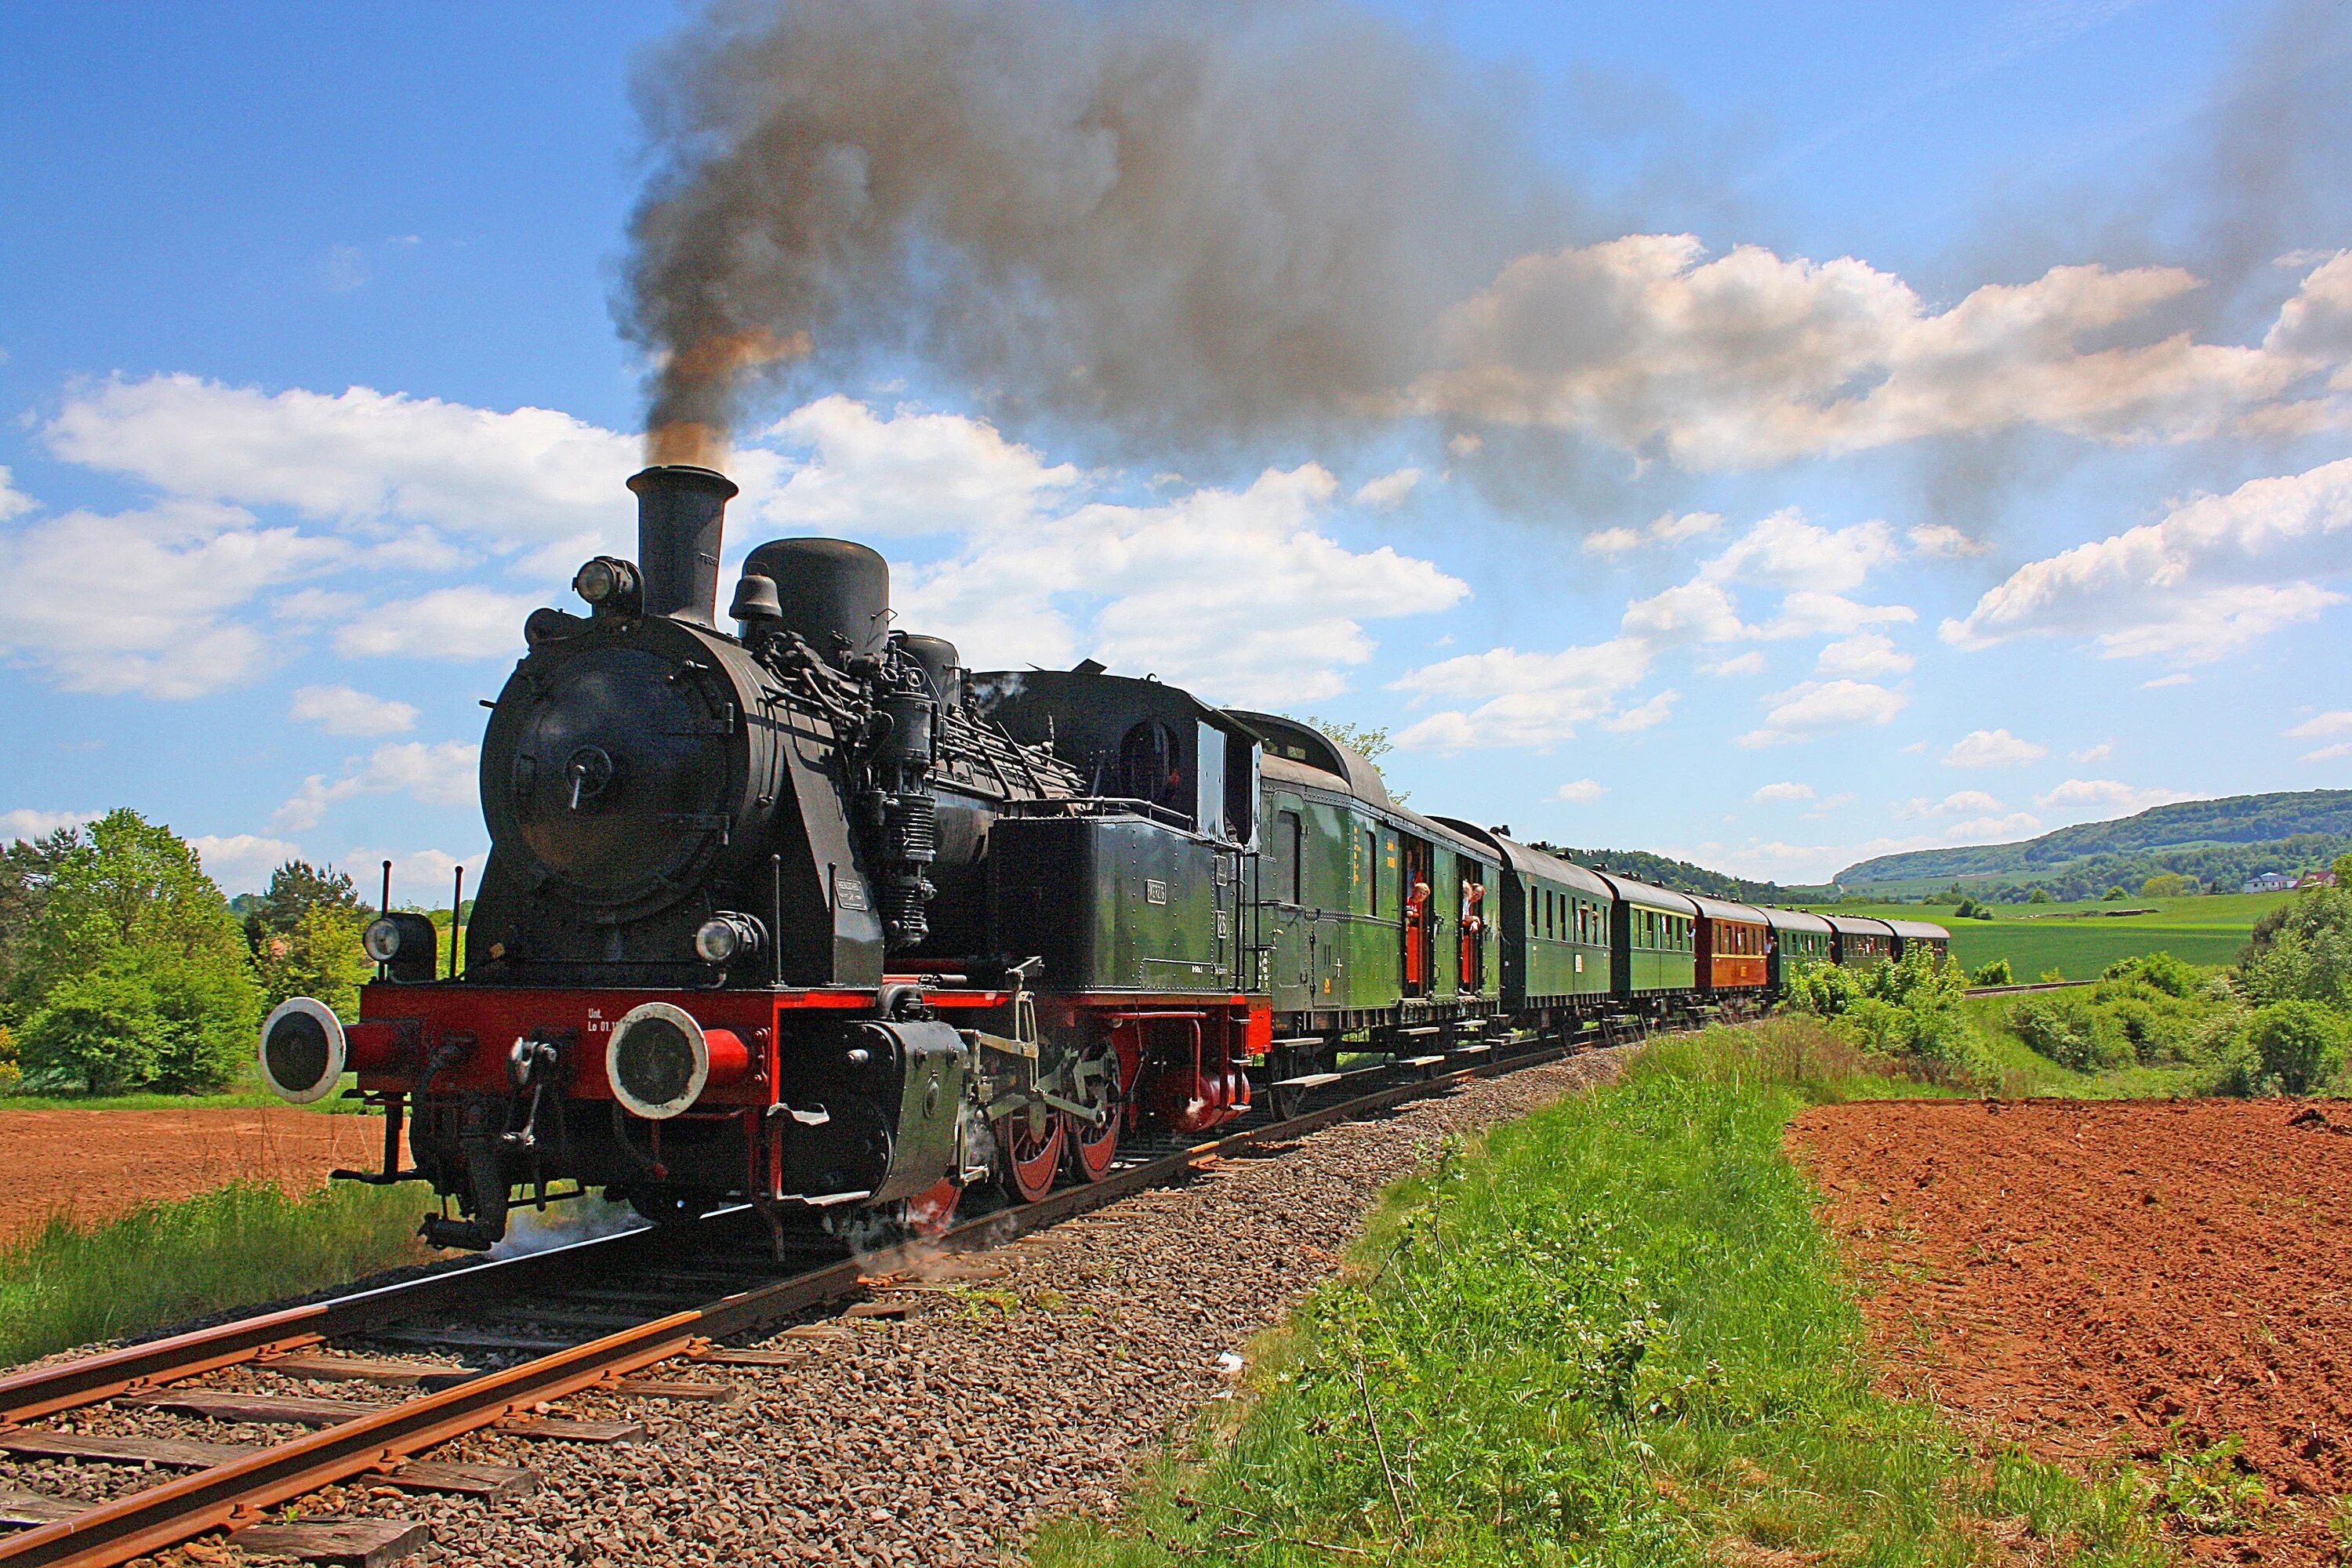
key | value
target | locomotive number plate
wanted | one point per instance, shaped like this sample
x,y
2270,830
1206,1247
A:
x,y
1155,891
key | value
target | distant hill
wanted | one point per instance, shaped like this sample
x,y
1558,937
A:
x,y
1682,876
2219,842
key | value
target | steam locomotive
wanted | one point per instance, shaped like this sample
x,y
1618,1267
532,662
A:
x,y
809,916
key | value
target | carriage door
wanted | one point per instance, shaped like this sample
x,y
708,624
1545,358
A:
x,y
1472,927
1420,948
1281,875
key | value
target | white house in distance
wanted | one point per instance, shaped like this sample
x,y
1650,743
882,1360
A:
x,y
2269,882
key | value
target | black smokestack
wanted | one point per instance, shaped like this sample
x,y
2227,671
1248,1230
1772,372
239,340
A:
x,y
681,511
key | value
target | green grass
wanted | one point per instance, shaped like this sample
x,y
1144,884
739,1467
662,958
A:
x,y
68,1284
2079,940
244,1094
2021,1071
1613,1333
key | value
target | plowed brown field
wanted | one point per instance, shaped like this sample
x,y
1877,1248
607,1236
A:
x,y
92,1164
2119,1278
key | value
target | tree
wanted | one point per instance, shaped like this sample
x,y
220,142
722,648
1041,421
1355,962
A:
x,y
2341,868
27,867
320,957
2166,885
295,890
2301,950
304,933
135,972
2113,895
2040,896
1997,973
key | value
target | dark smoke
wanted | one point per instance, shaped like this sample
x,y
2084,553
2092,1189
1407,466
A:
x,y
1180,224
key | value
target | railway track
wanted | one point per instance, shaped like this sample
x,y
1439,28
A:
x,y
594,1316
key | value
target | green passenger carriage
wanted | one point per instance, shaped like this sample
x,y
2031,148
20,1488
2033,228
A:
x,y
1801,940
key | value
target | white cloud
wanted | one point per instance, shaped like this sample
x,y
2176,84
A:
x,y
2107,795
908,473
1534,700
1689,525
2213,574
1865,652
1693,612
445,772
1786,790
467,622
1389,490
1645,715
1787,551
1751,359
1667,528
1816,707
1992,749
1958,802
341,710
144,601
1581,791
2098,753
242,862
1748,663
2326,753
13,501
2179,678
2335,721
360,456
27,823
1234,593
1942,539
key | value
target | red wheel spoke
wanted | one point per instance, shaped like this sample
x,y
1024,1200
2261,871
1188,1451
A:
x,y
1092,1148
1030,1159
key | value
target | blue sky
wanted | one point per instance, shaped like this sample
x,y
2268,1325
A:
x,y
1963,455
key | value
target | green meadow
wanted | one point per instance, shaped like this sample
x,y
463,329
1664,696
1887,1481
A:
x,y
2080,939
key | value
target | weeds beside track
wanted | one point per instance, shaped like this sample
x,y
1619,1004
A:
x,y
68,1284
1611,1333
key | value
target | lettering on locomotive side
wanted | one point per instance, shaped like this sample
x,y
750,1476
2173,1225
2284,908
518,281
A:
x,y
1155,891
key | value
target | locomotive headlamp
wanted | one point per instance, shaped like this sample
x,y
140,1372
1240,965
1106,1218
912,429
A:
x,y
382,941
405,943
727,936
606,584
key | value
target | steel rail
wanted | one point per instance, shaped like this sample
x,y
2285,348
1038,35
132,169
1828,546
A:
x,y
234,1493
45,1391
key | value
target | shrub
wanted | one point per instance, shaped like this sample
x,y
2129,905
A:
x,y
99,1032
2113,895
1997,973
2300,1045
2071,1031
1825,990
2166,885
2040,896
2173,976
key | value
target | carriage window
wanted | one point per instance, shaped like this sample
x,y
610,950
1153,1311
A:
x,y
1289,851
1372,871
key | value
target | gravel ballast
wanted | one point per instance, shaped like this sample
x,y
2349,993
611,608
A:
x,y
1026,1385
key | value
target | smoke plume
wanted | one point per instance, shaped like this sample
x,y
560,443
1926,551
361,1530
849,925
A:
x,y
1174,223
